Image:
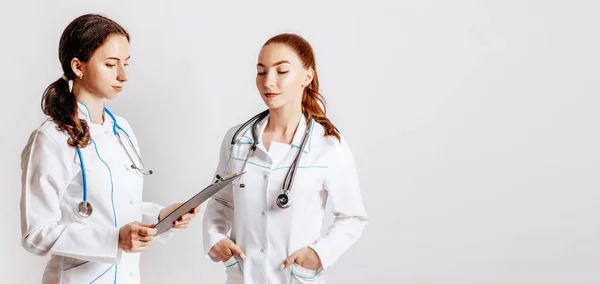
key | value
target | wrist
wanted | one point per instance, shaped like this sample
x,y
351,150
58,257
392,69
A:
x,y
318,258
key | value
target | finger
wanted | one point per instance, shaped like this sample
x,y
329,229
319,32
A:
x,y
138,249
183,224
144,225
138,246
188,216
237,250
147,231
182,218
145,238
226,254
196,209
221,252
288,261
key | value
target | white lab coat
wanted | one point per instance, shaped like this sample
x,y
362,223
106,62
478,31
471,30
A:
x,y
83,250
268,234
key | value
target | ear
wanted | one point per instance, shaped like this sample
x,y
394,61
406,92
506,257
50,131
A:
x,y
310,74
77,67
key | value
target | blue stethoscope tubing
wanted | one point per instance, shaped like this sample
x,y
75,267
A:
x,y
85,208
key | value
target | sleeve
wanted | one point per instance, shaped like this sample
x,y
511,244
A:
x,y
342,185
44,180
218,215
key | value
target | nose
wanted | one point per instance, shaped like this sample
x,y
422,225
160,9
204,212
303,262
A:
x,y
122,74
270,80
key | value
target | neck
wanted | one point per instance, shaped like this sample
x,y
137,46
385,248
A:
x,y
94,104
284,120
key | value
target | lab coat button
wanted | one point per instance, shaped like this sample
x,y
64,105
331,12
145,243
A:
x,y
262,250
262,213
131,274
266,176
130,201
105,132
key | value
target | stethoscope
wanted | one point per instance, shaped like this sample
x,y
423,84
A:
x,y
85,209
283,200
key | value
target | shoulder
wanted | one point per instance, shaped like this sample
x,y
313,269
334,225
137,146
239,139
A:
x,y
232,130
46,138
329,142
329,145
48,132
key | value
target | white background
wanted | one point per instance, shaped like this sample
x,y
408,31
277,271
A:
x,y
474,125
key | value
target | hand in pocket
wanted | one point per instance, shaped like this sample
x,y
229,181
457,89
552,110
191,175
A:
x,y
305,257
226,248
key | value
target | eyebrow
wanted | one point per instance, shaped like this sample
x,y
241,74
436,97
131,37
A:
x,y
118,58
275,64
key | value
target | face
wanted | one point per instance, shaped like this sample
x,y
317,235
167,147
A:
x,y
280,76
106,71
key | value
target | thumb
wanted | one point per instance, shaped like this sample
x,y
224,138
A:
x,y
288,261
237,250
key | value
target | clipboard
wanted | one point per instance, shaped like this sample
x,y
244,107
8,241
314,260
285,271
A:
x,y
167,223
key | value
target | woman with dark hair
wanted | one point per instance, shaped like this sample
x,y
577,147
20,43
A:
x,y
82,174
295,160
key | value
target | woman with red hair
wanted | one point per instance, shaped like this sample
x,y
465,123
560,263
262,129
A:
x,y
266,226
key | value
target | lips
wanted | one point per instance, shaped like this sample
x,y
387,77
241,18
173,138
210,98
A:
x,y
118,88
271,95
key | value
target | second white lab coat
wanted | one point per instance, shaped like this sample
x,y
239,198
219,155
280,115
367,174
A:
x,y
269,234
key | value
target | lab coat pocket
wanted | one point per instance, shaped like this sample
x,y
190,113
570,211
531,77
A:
x,y
99,273
301,275
233,269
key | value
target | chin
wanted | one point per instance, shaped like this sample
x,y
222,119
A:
x,y
272,104
111,95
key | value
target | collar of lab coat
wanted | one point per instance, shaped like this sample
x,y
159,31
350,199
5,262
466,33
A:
x,y
83,112
296,141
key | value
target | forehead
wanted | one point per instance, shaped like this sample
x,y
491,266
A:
x,y
114,46
276,52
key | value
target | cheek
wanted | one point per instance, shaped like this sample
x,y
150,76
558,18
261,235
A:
x,y
101,78
287,82
260,82
104,75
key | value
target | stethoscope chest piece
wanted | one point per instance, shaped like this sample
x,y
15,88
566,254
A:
x,y
85,209
283,201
